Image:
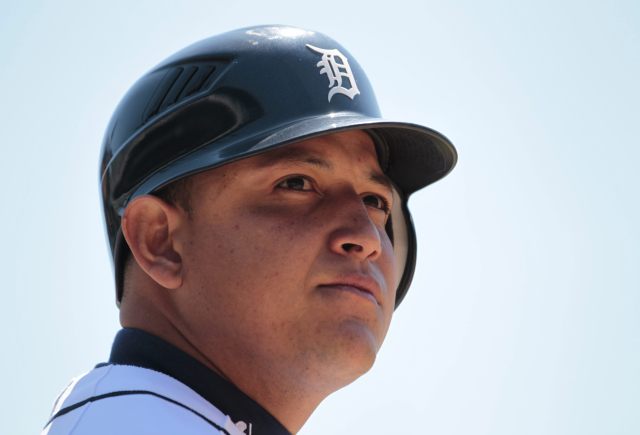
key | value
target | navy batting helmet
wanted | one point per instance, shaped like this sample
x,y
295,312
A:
x,y
245,92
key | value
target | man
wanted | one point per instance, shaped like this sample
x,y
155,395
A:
x,y
255,203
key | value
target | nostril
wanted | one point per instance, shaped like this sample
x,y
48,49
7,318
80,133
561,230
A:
x,y
350,247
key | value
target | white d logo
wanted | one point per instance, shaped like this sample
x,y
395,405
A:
x,y
336,66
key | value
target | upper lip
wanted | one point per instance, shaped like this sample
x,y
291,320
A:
x,y
363,283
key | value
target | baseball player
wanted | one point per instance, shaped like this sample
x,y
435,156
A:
x,y
256,208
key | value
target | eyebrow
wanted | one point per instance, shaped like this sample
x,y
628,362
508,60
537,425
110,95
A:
x,y
297,156
292,155
382,180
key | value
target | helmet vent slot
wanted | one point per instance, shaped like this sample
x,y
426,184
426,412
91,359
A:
x,y
178,84
199,80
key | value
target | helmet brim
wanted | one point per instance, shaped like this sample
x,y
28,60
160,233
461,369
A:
x,y
418,155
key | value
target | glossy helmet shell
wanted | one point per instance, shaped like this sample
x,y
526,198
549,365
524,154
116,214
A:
x,y
242,93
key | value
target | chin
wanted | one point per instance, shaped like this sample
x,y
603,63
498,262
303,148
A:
x,y
350,352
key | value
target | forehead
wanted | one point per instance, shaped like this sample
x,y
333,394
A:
x,y
350,153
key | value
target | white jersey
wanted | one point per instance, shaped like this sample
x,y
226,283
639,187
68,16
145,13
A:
x,y
128,400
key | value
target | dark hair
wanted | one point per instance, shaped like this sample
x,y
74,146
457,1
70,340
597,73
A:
x,y
177,193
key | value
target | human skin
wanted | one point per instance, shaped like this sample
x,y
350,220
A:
x,y
280,277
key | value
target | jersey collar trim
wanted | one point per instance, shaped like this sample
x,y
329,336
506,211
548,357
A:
x,y
139,348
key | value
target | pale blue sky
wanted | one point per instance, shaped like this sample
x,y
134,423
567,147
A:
x,y
523,316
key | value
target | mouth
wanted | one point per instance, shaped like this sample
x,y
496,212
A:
x,y
360,285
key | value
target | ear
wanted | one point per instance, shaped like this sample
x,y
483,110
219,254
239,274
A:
x,y
149,225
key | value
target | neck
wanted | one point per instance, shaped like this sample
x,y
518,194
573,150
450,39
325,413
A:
x,y
285,393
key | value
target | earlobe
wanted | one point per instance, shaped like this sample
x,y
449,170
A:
x,y
149,225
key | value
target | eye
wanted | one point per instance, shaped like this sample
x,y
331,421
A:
x,y
376,201
295,182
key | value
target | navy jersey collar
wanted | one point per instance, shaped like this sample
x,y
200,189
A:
x,y
139,348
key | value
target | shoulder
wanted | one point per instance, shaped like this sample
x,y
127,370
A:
x,y
132,400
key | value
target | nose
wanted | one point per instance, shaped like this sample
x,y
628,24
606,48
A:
x,y
355,235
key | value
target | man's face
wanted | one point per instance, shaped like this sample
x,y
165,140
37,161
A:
x,y
287,262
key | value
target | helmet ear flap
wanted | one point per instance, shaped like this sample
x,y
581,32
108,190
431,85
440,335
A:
x,y
399,227
120,256
401,233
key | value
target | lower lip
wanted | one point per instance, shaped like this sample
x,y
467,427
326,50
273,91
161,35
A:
x,y
352,290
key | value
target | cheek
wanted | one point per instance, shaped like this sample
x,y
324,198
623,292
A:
x,y
389,270
253,248
388,264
